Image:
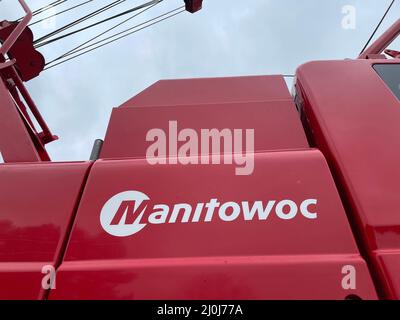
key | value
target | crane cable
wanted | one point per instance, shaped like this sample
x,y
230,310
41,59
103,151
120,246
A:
x,y
123,36
147,4
61,12
45,8
377,27
75,49
80,20
121,32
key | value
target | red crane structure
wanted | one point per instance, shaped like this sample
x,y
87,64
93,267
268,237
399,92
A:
x,y
300,203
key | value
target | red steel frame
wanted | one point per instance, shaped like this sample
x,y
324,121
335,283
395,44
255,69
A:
x,y
382,42
20,141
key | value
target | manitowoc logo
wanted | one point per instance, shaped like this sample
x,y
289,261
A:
x,y
127,213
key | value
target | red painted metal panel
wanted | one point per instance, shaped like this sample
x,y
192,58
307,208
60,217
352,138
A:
x,y
262,103
19,61
37,206
21,281
382,42
212,91
354,118
276,125
260,259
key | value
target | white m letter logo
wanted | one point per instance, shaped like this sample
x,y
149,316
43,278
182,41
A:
x,y
121,215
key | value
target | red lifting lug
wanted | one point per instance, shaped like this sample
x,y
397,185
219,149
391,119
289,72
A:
x,y
193,5
46,138
393,53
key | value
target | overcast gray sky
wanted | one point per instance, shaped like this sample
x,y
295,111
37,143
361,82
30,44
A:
x,y
227,38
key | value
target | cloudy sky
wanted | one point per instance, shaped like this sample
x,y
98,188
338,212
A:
x,y
227,38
